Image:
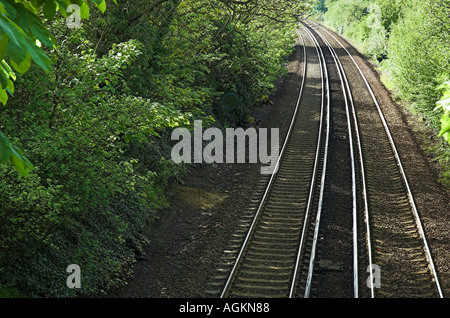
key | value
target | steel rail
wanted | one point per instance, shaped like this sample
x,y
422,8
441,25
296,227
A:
x,y
399,163
252,226
311,193
347,96
362,167
324,170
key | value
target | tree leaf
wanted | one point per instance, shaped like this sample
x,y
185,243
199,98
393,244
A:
x,y
102,6
23,66
39,56
445,126
3,96
19,164
49,9
84,11
10,87
5,148
15,52
10,30
31,23
3,46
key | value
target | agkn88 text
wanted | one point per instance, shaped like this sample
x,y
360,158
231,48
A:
x,y
246,307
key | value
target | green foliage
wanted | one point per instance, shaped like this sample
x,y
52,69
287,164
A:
x,y
97,125
361,22
391,11
420,61
22,33
320,7
8,152
91,194
411,40
444,105
410,37
346,12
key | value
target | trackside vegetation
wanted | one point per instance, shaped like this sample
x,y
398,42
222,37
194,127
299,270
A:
x,y
90,92
409,40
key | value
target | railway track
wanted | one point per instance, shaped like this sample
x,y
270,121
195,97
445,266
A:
x,y
337,219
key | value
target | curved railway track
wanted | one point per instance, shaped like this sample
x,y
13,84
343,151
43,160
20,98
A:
x,y
337,218
267,259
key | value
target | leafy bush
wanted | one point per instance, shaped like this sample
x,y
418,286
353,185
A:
x,y
90,196
97,128
360,21
420,61
444,105
22,33
410,40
